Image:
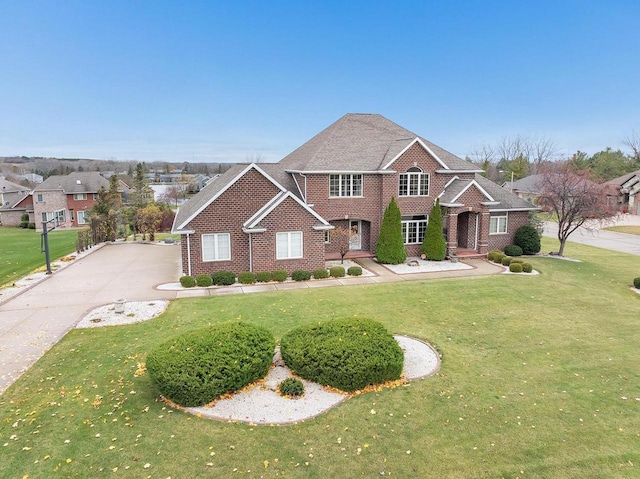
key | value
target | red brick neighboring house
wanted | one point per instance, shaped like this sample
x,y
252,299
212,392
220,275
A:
x,y
343,177
12,202
67,198
624,193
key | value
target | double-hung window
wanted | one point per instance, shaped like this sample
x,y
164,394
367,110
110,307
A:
x,y
413,228
216,247
413,183
498,225
79,196
345,185
289,245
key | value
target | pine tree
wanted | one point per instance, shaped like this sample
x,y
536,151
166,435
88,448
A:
x,y
390,247
434,245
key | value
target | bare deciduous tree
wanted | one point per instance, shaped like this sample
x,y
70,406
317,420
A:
x,y
633,142
574,198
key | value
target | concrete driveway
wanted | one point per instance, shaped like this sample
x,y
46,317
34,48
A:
x,y
593,236
35,320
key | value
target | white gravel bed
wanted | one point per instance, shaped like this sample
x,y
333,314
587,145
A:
x,y
261,404
134,312
425,266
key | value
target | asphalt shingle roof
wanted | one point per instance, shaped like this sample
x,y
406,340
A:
x,y
361,142
77,182
506,199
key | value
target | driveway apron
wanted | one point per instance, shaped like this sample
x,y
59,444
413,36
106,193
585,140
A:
x,y
35,320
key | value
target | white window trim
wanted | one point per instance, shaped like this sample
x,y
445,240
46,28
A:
x,y
498,218
289,235
405,224
341,176
215,247
409,174
84,215
79,196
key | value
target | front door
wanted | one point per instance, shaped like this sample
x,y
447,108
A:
x,y
355,237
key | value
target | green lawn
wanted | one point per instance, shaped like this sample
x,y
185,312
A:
x,y
539,379
632,230
21,253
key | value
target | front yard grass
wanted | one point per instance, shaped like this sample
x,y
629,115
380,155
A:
x,y
20,250
632,230
539,379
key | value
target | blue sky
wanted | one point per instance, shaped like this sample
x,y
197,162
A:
x,y
225,81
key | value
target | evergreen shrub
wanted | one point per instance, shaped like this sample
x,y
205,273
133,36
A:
x,y
246,277
390,246
506,260
354,271
636,283
301,275
263,276
528,238
337,272
348,354
527,268
291,387
434,246
223,278
187,281
515,267
198,366
321,273
204,280
513,250
279,275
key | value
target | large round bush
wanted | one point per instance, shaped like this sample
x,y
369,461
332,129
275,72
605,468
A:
x,y
347,354
196,367
528,238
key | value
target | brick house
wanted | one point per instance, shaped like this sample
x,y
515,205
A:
x,y
68,198
262,217
13,203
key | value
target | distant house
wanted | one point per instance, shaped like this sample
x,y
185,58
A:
x,y
525,188
624,192
263,217
12,196
32,177
68,198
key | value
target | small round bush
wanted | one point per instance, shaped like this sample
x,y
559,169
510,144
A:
x,y
300,275
354,271
515,267
528,238
263,276
516,260
348,354
491,255
246,277
321,273
279,275
513,250
527,268
506,260
636,283
187,281
337,272
204,280
198,366
223,278
497,257
291,387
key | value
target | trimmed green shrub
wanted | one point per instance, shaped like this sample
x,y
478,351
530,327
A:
x,y
279,275
223,278
636,283
336,272
516,260
348,354
491,255
434,246
263,276
515,267
187,281
321,273
291,387
513,250
31,226
506,261
246,277
528,238
497,257
24,220
196,367
301,275
354,271
527,268
204,280
390,246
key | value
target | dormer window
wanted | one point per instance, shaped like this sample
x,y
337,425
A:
x,y
414,183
